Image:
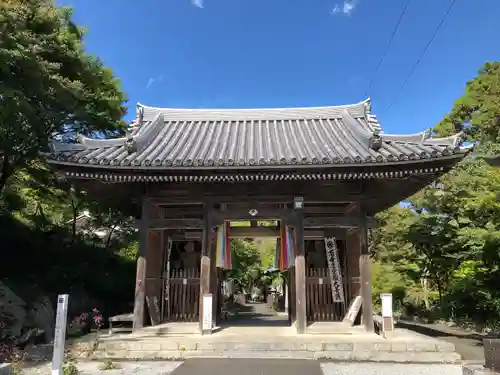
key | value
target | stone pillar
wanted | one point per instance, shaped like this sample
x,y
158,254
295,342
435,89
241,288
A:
x,y
140,280
300,277
205,269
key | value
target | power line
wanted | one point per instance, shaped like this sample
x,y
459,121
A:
x,y
422,55
384,55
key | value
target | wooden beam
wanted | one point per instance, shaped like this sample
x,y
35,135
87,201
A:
x,y
337,222
340,222
248,232
262,232
325,209
179,223
244,214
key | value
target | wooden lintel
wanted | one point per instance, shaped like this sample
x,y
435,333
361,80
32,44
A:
x,y
337,222
161,224
260,232
340,222
243,214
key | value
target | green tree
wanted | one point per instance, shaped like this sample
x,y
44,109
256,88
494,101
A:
x,y
477,112
48,83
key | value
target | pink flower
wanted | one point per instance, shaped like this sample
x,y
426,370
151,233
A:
x,y
95,310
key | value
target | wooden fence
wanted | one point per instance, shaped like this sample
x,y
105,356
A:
x,y
184,295
320,305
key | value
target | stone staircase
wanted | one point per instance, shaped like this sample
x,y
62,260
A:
x,y
418,349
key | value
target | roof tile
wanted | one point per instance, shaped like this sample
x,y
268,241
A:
x,y
173,138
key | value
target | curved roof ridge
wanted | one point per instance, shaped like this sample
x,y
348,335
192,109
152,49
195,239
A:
x,y
425,138
357,110
341,106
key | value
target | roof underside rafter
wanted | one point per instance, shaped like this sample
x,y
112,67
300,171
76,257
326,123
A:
x,y
171,139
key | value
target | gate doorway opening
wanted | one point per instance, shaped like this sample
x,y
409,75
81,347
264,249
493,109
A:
x,y
254,292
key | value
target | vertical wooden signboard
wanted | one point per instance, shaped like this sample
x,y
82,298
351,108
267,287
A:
x,y
332,256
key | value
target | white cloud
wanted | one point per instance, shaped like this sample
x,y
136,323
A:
x,y
152,80
197,3
346,8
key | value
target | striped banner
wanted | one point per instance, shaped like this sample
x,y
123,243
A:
x,y
223,254
285,249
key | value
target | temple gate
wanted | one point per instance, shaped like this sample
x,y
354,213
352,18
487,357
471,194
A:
x,y
324,171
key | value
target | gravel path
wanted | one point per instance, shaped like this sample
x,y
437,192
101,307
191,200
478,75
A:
x,y
255,367
126,368
469,345
389,369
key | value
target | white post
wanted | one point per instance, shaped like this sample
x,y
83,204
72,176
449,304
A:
x,y
60,334
387,314
207,314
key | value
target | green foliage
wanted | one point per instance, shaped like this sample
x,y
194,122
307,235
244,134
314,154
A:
x,y
477,112
49,84
445,244
109,365
246,263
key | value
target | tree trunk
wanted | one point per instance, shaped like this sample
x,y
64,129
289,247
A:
x,y
6,171
109,236
425,287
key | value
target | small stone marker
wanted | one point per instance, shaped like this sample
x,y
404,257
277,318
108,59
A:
x,y
207,315
60,334
387,314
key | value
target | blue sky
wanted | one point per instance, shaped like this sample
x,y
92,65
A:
x,y
287,53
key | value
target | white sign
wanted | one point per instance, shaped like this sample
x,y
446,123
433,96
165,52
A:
x,y
320,281
386,299
207,312
184,281
60,334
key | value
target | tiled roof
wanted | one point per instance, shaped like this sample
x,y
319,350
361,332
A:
x,y
166,138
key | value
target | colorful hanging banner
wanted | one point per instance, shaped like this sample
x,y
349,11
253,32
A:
x,y
285,249
223,254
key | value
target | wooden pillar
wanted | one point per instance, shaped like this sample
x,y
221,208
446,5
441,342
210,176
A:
x,y
353,253
205,268
140,280
365,271
213,282
300,277
154,269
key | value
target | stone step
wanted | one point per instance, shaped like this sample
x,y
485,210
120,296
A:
x,y
342,356
171,348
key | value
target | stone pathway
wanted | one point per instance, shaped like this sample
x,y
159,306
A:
x,y
248,367
468,345
256,314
